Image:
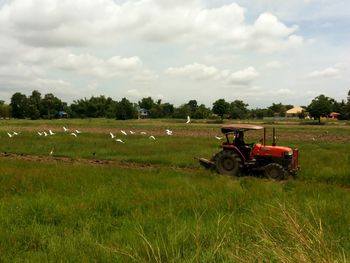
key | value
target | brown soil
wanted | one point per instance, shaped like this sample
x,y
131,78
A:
x,y
78,161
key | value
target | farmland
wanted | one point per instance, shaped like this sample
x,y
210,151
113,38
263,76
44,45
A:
x,y
94,199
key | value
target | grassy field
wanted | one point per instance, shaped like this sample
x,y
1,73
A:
x,y
148,200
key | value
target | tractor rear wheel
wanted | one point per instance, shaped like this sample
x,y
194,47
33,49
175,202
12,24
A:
x,y
275,171
227,162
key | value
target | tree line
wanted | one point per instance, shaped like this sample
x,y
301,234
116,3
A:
x,y
48,106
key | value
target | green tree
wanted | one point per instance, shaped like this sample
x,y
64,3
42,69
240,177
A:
x,y
238,109
182,112
125,110
277,109
221,107
34,105
202,112
193,106
146,103
5,110
320,106
19,105
51,105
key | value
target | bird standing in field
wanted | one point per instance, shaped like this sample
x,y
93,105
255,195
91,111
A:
x,y
112,135
169,132
77,131
119,140
10,135
73,134
131,132
65,129
39,133
123,132
219,138
188,119
51,133
51,152
45,134
152,137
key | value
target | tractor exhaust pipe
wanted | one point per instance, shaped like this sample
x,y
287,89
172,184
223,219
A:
x,y
273,136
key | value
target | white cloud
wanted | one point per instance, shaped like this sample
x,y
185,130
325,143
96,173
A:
x,y
136,93
82,23
325,73
243,77
202,72
274,64
114,67
194,71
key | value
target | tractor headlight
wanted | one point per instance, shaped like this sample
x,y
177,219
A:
x,y
288,155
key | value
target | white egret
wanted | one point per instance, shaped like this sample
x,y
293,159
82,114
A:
x,y
152,137
51,133
73,134
123,132
143,133
169,132
45,134
14,133
188,119
219,138
77,131
51,153
9,134
131,132
65,129
119,140
112,135
40,133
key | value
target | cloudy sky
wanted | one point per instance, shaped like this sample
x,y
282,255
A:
x,y
260,51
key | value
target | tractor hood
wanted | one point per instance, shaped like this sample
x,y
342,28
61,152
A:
x,y
273,151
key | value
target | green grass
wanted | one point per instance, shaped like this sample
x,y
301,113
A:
x,y
172,211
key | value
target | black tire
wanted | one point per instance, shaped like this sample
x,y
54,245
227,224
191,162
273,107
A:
x,y
227,162
275,171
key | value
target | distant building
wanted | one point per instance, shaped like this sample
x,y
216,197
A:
x,y
143,113
334,115
62,114
293,112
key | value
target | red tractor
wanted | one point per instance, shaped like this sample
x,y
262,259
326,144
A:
x,y
237,157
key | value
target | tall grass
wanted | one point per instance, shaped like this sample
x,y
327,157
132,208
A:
x,y
55,211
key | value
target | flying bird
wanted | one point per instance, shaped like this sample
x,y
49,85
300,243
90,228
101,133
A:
x,y
73,134
123,132
65,129
152,137
112,135
119,140
188,119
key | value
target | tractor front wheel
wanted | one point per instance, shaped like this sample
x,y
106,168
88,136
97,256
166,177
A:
x,y
275,171
227,162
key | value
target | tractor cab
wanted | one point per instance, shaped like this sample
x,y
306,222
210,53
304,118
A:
x,y
234,134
